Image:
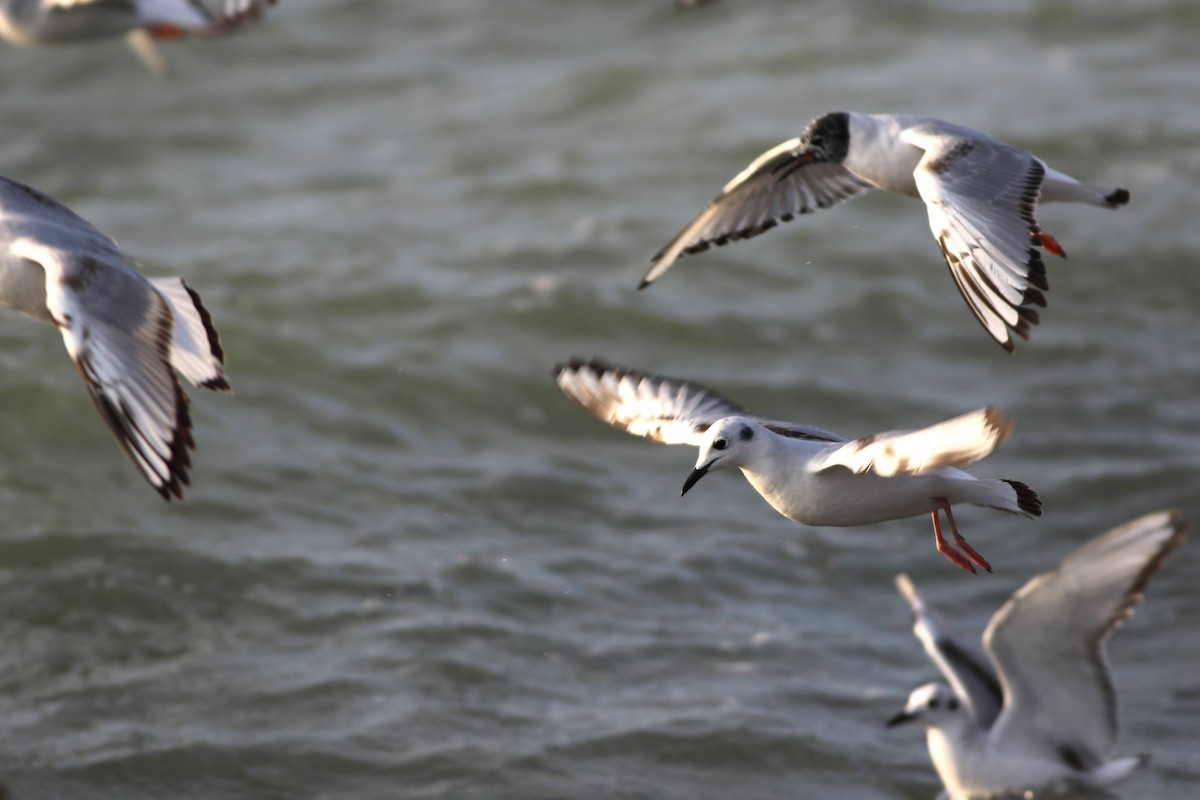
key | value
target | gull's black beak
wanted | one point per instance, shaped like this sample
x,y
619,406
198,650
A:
x,y
900,719
697,474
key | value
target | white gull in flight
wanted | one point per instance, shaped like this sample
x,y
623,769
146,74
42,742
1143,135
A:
x,y
809,475
126,333
980,195
46,22
1039,708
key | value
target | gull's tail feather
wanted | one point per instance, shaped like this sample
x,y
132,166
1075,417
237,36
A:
x,y
1115,197
1096,195
1061,188
1028,501
1005,495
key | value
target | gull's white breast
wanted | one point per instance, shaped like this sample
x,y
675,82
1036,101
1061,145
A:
x,y
839,497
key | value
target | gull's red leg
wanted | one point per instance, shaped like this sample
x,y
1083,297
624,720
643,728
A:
x,y
960,541
944,547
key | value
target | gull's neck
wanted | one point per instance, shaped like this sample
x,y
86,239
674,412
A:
x,y
953,747
776,464
879,155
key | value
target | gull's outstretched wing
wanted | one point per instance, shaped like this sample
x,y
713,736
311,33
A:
x,y
954,443
1047,642
117,329
26,213
662,409
658,408
980,195
965,667
777,186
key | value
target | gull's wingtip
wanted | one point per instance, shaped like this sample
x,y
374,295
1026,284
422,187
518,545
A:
x,y
1174,531
1174,519
906,588
1168,521
660,262
996,420
652,274
217,384
594,364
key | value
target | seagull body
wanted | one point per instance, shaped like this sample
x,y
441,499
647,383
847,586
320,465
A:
x,y
822,495
47,22
1036,707
809,475
123,331
980,195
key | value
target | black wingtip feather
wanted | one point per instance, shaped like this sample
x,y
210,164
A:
x,y
1037,271
1117,197
1032,297
598,366
214,338
1027,499
595,364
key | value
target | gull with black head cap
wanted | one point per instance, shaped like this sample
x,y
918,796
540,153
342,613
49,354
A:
x,y
980,195
1036,706
809,475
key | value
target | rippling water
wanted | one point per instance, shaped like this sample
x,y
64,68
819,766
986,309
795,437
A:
x,y
407,566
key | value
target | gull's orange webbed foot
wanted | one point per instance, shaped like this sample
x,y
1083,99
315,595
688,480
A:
x,y
1049,243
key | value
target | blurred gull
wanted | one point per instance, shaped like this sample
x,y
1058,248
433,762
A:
x,y
980,195
1039,709
809,475
44,22
124,332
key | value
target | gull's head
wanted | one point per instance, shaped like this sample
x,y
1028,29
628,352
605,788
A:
x,y
727,443
827,138
933,705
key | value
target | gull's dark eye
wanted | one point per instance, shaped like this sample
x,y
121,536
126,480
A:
x,y
933,702
952,704
817,140
720,444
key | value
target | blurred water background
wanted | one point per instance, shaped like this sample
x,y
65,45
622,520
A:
x,y
407,567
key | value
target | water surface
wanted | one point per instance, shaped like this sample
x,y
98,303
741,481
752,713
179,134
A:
x,y
407,566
